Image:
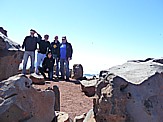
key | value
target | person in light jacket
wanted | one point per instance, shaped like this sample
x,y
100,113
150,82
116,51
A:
x,y
44,47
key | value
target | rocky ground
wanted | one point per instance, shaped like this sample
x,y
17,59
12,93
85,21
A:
x,y
73,100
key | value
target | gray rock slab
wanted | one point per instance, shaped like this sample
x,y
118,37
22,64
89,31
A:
x,y
88,83
136,72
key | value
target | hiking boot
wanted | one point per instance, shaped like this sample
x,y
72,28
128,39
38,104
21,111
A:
x,y
67,79
51,79
46,78
61,78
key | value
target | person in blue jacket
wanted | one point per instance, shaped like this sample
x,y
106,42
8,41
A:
x,y
30,45
65,55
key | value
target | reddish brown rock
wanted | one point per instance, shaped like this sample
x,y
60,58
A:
x,y
88,87
37,79
77,71
57,97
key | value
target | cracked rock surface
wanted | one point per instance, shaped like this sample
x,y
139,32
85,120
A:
x,y
10,57
20,101
131,92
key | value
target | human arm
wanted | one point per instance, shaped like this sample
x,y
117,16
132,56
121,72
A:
x,y
58,51
39,38
48,47
24,43
71,51
44,62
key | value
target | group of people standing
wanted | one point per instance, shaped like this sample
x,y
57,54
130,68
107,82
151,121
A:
x,y
48,54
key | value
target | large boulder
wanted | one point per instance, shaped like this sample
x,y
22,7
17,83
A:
x,y
10,57
21,102
131,92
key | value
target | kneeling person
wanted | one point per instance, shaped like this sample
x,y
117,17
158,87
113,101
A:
x,y
47,66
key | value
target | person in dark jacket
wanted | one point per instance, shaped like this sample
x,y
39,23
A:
x,y
55,45
30,45
65,54
47,66
44,46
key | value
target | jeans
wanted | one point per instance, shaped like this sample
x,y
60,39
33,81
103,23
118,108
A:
x,y
43,70
28,54
57,65
64,62
40,58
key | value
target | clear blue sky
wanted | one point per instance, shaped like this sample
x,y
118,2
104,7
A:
x,y
103,33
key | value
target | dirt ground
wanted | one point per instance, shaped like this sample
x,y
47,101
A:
x,y
73,101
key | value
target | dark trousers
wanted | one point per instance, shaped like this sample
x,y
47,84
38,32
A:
x,y
57,64
42,70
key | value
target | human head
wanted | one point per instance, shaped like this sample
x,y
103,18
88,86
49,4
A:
x,y
49,54
56,38
64,40
46,37
32,32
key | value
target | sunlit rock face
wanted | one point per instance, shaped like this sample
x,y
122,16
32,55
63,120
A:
x,y
21,102
10,57
131,92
